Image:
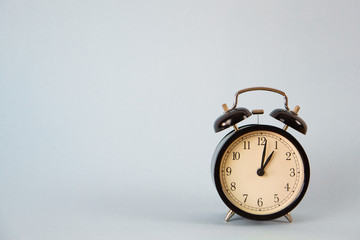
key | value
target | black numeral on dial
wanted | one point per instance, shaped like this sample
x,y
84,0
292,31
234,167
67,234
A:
x,y
292,172
245,197
261,140
233,186
246,144
236,156
276,198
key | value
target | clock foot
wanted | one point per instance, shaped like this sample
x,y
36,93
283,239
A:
x,y
288,217
229,215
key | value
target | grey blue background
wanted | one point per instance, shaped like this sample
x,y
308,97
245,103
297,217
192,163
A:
x,y
107,111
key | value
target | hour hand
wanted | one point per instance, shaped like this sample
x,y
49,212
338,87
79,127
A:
x,y
261,171
268,160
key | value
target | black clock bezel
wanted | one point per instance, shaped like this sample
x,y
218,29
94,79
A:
x,y
235,135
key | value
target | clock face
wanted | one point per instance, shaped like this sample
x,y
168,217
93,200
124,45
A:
x,y
262,172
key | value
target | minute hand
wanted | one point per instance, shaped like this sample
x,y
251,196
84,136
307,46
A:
x,y
263,156
267,160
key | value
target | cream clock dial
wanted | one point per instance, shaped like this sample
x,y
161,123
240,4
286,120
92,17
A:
x,y
261,172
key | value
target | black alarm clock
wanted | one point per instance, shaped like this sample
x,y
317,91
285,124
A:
x,y
261,172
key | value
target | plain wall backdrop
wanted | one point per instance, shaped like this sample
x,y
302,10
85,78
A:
x,y
107,111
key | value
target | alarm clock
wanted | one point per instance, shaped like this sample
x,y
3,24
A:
x,y
261,172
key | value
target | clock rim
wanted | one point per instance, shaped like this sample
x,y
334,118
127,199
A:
x,y
229,139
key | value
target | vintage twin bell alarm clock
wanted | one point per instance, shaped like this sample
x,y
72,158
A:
x,y
261,172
